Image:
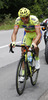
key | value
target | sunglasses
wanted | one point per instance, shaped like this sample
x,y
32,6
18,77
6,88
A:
x,y
24,17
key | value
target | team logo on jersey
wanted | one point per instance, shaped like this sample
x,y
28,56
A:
x,y
37,26
24,26
28,27
33,19
37,22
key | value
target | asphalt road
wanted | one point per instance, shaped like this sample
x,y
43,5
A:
x,y
7,82
5,40
8,64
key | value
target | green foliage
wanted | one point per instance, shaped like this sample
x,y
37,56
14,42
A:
x,y
1,4
36,10
7,19
9,8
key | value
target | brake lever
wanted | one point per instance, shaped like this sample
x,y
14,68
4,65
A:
x,y
11,48
32,46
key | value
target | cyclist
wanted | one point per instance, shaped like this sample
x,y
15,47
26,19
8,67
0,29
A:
x,y
32,32
45,21
45,24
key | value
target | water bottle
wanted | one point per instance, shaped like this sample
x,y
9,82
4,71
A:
x,y
30,60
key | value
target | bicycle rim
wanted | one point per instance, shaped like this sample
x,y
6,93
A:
x,y
20,86
34,77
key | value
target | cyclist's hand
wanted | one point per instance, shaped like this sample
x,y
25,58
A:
x,y
33,44
13,44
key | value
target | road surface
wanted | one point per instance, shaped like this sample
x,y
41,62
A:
x,y
8,66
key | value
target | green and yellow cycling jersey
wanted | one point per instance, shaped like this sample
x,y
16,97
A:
x,y
33,20
29,28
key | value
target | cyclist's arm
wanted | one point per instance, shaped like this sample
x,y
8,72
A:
x,y
37,29
14,34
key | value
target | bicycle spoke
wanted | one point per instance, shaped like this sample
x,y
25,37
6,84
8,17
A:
x,y
20,85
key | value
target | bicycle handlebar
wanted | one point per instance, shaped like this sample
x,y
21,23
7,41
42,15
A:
x,y
26,47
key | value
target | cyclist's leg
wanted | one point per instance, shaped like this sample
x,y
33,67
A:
x,y
24,38
27,41
23,41
37,49
29,38
22,49
37,54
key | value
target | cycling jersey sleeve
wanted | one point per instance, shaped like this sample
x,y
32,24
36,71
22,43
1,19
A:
x,y
34,20
18,21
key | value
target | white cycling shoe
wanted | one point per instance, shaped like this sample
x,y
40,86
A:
x,y
21,79
37,66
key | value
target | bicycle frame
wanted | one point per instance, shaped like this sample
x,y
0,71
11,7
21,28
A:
x,y
26,49
28,73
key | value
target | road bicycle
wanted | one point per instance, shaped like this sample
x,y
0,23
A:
x,y
45,29
29,68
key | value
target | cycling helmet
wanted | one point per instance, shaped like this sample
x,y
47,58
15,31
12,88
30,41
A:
x,y
23,12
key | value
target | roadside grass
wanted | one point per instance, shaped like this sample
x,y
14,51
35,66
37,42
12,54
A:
x,y
6,26
7,23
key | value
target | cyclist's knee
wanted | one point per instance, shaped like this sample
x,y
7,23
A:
x,y
37,51
22,50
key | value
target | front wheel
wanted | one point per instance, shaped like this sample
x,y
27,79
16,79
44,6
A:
x,y
46,52
34,77
20,86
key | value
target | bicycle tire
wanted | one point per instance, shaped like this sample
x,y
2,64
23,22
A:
x,y
46,52
34,81
17,73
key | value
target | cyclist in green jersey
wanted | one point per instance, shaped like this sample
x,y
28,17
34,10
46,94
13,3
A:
x,y
32,32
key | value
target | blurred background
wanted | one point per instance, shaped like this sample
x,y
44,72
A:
x,y
9,10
